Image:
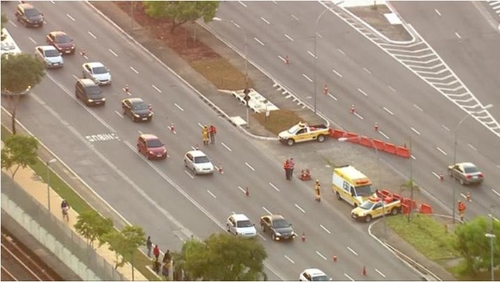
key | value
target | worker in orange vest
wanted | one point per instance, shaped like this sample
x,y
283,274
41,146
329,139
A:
x,y
204,135
317,191
286,167
461,210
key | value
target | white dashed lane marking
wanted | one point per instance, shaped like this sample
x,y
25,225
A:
x,y
441,150
362,92
134,70
352,251
289,259
182,110
112,52
260,42
71,18
306,77
437,12
90,33
414,130
266,21
156,88
287,36
321,255
275,188
324,228
229,149
297,206
249,166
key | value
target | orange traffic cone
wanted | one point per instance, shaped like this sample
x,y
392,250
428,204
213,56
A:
x,y
82,53
441,177
303,236
172,127
247,193
468,197
364,271
325,90
334,258
220,169
352,110
375,127
287,61
126,89
197,148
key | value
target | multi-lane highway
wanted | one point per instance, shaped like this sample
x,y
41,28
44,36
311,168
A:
x,y
161,196
358,72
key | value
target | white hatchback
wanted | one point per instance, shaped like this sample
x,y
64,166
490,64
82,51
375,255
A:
x,y
97,72
198,162
49,56
240,225
313,274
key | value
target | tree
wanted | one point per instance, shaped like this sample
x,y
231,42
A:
x,y
181,12
91,225
19,72
125,243
222,257
474,246
5,20
19,151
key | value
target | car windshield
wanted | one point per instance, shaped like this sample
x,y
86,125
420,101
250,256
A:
x,y
154,143
320,278
100,70
52,53
244,223
367,205
470,169
363,191
280,223
139,106
94,90
294,129
63,38
201,160
31,12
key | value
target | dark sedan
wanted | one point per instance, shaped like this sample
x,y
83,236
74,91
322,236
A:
x,y
137,109
279,227
29,16
63,43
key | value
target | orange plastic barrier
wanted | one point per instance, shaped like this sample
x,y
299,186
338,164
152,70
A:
x,y
365,141
335,133
378,144
352,137
396,196
386,193
405,209
425,209
390,148
403,152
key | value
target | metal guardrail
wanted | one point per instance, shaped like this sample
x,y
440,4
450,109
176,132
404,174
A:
x,y
428,275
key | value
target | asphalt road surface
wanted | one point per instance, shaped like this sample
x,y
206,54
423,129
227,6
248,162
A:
x,y
358,72
161,196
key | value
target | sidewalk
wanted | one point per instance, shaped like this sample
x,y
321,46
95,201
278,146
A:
x,y
32,184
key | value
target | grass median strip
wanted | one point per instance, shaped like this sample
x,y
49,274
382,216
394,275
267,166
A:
x,y
80,205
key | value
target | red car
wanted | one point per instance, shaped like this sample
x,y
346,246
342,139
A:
x,y
151,146
63,43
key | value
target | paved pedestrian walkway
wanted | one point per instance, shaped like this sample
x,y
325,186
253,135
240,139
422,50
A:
x,y
34,185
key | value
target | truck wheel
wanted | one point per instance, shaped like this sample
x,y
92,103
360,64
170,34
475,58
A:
x,y
368,218
321,138
394,211
290,142
338,196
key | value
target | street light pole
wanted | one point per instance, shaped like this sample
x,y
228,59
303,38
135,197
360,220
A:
x,y
316,56
48,181
455,154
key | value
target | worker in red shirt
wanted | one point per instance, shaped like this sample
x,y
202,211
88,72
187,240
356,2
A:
x,y
286,167
212,130
461,210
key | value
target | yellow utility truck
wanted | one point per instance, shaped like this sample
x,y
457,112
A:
x,y
376,207
302,132
351,185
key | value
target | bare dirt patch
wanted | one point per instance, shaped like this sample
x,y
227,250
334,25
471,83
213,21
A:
x,y
375,18
278,120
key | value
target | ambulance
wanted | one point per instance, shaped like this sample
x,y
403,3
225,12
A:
x,y
351,185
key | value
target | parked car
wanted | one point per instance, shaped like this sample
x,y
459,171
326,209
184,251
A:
x,y
151,146
137,109
466,173
313,274
240,225
89,92
278,226
61,41
29,16
49,56
97,72
198,162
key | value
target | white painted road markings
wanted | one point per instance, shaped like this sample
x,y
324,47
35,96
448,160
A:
x,y
311,54
362,92
306,77
275,188
249,166
32,40
112,52
211,194
367,70
420,109
379,272
297,206
387,110
341,52
102,137
393,90
356,114
179,107
229,149
120,115
321,255
437,12
352,251
348,277
69,16
268,212
287,36
472,147
260,42
496,192
458,35
383,134
134,70
90,33
266,21
295,17
324,228
289,259
156,88
414,130
242,4
337,73
441,150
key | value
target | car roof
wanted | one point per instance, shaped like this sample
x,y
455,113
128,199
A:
x,y
87,82
239,217
277,216
58,32
26,6
196,153
94,64
149,136
134,100
314,271
467,164
47,47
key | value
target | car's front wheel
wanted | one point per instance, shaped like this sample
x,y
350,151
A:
x,y
321,138
368,218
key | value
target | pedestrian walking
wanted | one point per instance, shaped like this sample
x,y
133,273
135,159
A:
x,y
317,191
461,210
292,167
212,130
286,167
156,265
156,252
167,257
204,135
165,270
65,208
149,245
